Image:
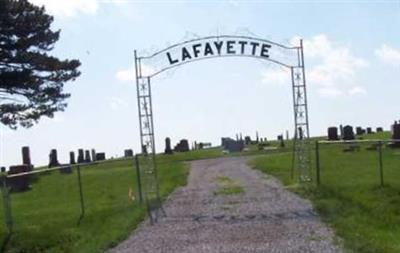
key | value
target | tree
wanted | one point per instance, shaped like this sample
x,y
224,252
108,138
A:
x,y
31,81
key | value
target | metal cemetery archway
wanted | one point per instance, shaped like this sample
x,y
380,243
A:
x,y
176,55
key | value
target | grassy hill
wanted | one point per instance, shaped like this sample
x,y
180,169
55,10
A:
x,y
350,198
46,217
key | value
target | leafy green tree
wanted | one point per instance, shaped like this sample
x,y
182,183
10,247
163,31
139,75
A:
x,y
31,81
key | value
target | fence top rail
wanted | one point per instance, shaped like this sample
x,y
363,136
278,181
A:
x,y
63,167
359,141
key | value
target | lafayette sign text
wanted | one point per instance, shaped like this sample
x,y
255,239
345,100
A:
x,y
217,47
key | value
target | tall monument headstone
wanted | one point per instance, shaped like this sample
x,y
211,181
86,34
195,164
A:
x,y
26,156
53,159
81,156
72,157
168,149
87,156
396,134
93,155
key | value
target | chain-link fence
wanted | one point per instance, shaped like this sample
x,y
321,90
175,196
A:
x,y
46,207
357,163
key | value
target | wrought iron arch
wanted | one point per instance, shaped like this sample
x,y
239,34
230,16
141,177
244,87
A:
x,y
147,67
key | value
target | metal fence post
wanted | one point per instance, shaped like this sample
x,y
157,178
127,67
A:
x,y
6,203
380,162
139,183
78,169
317,163
7,210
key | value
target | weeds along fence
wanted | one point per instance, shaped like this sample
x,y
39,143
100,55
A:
x,y
60,199
354,163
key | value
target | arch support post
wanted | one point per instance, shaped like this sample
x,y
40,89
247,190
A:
x,y
301,143
147,160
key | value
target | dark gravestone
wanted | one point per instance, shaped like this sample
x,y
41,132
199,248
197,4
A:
x,y
247,140
182,146
333,134
26,156
348,133
396,135
81,156
128,153
3,169
231,145
100,156
53,159
93,155
359,131
168,149
379,129
20,183
369,130
72,157
87,156
281,142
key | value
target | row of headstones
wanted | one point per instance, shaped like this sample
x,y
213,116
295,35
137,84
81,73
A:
x,y
22,183
84,156
200,145
238,145
249,141
347,132
232,145
181,146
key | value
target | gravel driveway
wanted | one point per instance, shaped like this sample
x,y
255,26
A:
x,y
255,214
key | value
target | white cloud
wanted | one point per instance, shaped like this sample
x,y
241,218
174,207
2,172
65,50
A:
x,y
331,68
128,75
68,8
329,92
388,54
357,90
335,65
117,103
276,75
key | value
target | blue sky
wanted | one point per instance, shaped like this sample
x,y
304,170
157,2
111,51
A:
x,y
352,53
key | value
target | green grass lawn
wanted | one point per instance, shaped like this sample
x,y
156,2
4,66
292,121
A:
x,y
45,218
349,198
228,186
